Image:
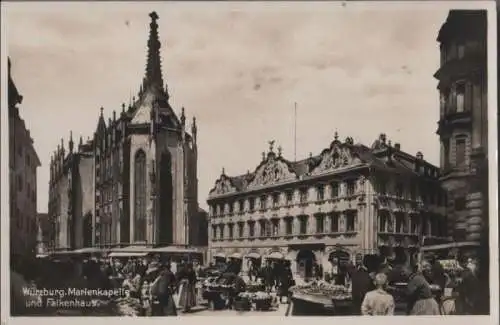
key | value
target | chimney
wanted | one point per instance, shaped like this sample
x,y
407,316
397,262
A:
x,y
397,146
419,156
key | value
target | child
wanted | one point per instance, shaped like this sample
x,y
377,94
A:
x,y
378,302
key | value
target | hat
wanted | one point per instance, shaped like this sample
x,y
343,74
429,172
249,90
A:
x,y
152,267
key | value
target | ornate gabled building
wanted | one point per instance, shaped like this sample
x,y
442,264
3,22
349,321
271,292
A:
x,y
144,170
463,124
23,164
348,200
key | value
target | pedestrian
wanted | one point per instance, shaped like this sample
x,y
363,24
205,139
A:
x,y
420,300
378,302
187,296
286,282
362,283
267,274
466,302
161,291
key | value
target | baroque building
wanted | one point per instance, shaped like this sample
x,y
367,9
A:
x,y
140,174
349,200
23,164
463,124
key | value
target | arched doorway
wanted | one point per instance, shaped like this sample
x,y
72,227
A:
x,y
305,263
166,193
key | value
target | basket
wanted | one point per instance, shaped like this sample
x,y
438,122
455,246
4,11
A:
x,y
242,304
263,304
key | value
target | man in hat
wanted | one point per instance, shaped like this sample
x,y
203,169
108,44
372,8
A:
x,y
162,291
361,283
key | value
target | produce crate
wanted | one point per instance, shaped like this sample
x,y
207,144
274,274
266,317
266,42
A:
x,y
263,304
242,304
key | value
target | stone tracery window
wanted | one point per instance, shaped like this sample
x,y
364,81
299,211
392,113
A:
x,y
140,196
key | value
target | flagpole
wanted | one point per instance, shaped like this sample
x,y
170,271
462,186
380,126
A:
x,y
295,133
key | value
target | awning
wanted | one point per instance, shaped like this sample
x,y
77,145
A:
x,y
220,255
174,249
127,254
88,250
449,246
253,255
130,249
275,255
236,255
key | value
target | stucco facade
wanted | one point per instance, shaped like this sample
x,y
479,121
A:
x,y
348,200
463,120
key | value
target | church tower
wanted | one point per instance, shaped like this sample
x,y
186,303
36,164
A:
x,y
162,161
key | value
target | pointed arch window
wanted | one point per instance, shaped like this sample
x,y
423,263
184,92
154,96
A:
x,y
140,196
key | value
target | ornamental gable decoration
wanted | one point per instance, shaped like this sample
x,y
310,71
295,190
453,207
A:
x,y
337,157
223,186
273,170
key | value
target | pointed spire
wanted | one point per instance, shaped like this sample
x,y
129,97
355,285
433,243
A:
x,y
183,117
114,114
123,107
153,67
62,144
81,141
280,150
70,141
336,136
223,171
102,111
194,129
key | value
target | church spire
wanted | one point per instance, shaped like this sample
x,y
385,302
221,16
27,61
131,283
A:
x,y
153,77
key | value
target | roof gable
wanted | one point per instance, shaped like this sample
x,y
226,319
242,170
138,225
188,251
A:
x,y
338,156
273,170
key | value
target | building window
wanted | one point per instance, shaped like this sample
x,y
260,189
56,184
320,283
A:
x,y
382,187
231,229
320,193
461,51
303,225
335,190
289,225
351,217
460,92
242,205
320,224
334,222
217,210
251,204
460,152
399,190
241,229
460,204
140,196
383,220
222,226
19,183
263,202
303,195
231,207
275,227
446,153
276,199
251,229
289,197
263,226
350,188
400,218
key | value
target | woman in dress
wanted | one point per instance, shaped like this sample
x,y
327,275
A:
x,y
420,298
187,278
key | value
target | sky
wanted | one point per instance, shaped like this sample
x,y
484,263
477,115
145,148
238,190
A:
x,y
238,67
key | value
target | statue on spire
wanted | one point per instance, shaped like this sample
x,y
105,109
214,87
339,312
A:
x,y
183,116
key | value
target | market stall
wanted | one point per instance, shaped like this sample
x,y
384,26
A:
x,y
320,298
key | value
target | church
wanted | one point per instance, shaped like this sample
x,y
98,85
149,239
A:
x,y
134,183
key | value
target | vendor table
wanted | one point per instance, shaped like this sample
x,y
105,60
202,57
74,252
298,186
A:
x,y
317,305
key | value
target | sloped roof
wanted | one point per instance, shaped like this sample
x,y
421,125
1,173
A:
x,y
381,156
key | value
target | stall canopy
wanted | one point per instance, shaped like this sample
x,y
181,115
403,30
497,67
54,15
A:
x,y
88,250
127,254
275,255
220,255
174,249
236,255
253,255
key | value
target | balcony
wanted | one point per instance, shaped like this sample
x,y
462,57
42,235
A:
x,y
453,119
455,172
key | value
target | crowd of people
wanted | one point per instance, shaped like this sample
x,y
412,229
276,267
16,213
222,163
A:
x,y
155,283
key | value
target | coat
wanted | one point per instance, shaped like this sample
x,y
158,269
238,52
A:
x,y
420,299
362,283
